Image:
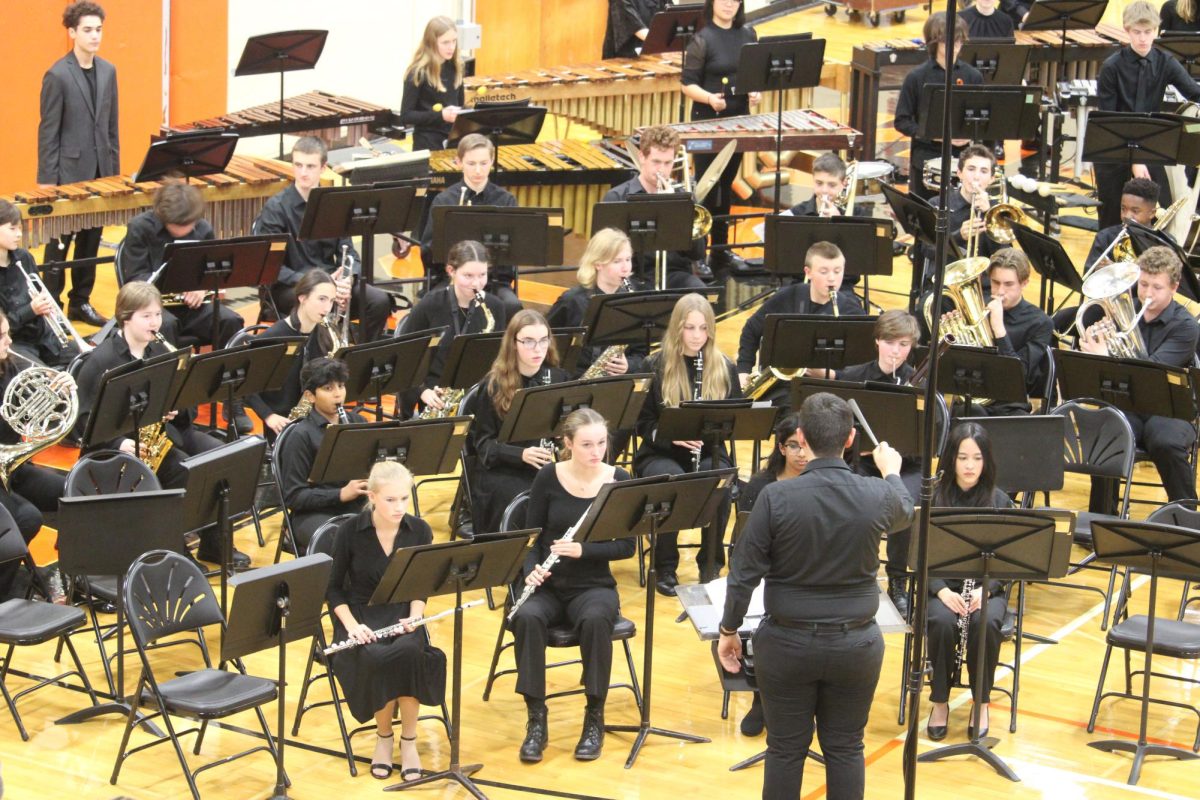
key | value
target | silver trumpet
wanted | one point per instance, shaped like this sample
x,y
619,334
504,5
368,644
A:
x,y
62,328
397,629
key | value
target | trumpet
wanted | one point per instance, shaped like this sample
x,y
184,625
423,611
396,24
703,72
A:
x,y
62,328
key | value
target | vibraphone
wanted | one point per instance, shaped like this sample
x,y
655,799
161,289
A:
x,y
233,199
802,130
327,116
571,175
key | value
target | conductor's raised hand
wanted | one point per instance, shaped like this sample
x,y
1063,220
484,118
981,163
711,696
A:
x,y
887,459
729,651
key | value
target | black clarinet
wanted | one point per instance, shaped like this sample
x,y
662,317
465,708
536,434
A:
x,y
697,392
548,444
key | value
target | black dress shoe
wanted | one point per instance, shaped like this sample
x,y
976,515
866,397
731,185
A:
x,y
935,732
703,271
707,575
899,598
591,740
753,723
86,312
971,726
666,584
241,421
240,560
536,734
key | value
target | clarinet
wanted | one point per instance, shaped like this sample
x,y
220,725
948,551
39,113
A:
x,y
343,417
964,625
697,387
397,629
550,561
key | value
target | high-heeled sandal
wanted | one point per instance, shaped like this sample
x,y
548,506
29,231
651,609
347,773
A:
x,y
405,772
382,770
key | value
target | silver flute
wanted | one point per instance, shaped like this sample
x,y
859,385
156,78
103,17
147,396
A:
x,y
397,629
550,561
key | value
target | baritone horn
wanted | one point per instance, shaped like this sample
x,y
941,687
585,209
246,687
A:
x,y
1108,287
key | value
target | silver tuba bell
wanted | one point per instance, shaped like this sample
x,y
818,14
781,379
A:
x,y
1108,287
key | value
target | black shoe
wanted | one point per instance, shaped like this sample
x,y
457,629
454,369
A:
x,y
935,732
465,531
241,421
971,726
753,723
240,560
536,734
703,271
899,597
591,740
707,575
86,312
666,583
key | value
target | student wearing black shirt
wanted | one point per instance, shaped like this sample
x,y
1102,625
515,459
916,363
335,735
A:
x,y
688,367
578,590
908,106
1019,328
815,541
502,470
968,481
628,25
984,23
1139,203
315,296
1134,79
709,69
312,505
1180,15
829,183
975,169
283,213
433,86
399,670
1169,333
32,335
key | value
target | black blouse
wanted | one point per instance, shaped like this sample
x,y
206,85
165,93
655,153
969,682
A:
x,y
999,500
485,428
282,400
359,560
647,425
440,309
713,54
553,509
416,108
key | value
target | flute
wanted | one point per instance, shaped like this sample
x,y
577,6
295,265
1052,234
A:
x,y
550,561
398,628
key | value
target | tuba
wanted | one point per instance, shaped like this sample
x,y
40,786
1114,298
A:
x,y
968,323
40,404
454,397
1108,287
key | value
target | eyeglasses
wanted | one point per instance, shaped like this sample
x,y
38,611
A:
x,y
534,344
795,448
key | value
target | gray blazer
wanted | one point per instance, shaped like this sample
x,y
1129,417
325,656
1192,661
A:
x,y
78,141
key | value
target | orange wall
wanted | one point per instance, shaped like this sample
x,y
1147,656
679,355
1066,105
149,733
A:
x,y
536,37
132,41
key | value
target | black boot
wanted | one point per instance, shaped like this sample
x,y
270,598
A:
x,y
899,596
591,740
536,734
753,722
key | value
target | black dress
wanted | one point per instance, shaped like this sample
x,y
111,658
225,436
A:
x,y
373,675
417,108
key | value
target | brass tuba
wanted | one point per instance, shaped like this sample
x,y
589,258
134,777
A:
x,y
40,404
968,323
1108,287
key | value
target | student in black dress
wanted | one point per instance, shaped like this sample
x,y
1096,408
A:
x,y
502,470
311,505
968,481
381,673
32,488
32,335
933,71
1180,15
709,69
579,589
1134,79
458,309
983,21
606,267
688,367
433,85
628,25
315,295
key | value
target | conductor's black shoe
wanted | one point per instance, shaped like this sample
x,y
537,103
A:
x,y
753,722
666,583
86,312
591,740
899,597
536,734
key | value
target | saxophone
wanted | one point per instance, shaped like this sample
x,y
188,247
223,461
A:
x,y
964,627
610,353
453,398
153,444
336,342
697,394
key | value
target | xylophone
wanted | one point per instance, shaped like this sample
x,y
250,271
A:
x,y
234,198
572,175
327,116
802,130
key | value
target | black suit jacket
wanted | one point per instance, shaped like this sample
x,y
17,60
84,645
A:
x,y
78,140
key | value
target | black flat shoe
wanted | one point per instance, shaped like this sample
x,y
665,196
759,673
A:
x,y
899,598
86,312
591,740
936,732
666,584
537,732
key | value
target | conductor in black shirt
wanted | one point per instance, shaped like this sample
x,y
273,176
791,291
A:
x,y
815,541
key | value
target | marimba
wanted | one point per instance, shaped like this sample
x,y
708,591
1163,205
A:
x,y
327,116
802,130
233,197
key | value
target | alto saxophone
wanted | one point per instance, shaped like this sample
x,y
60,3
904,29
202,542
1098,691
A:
x,y
153,443
453,398
611,353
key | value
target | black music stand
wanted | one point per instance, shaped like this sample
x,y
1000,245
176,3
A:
x,y
1152,548
387,366
982,113
653,223
866,242
190,154
629,317
285,51
650,506
131,396
103,535
1116,137
1142,238
1000,61
893,412
513,236
425,446
334,212
1135,387
501,125
221,484
776,65
470,357
919,220
453,568
991,545
670,31
1050,259
273,606
1185,46
537,412
971,372
791,341
1061,16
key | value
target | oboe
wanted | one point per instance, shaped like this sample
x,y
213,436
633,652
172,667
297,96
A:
x,y
550,561
398,628
964,626
697,391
